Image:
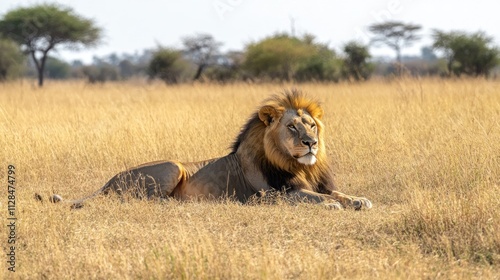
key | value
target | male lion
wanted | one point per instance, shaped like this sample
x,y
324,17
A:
x,y
280,148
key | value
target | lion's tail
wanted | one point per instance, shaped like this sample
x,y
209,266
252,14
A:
x,y
76,203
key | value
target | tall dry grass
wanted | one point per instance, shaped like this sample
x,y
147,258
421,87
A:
x,y
426,152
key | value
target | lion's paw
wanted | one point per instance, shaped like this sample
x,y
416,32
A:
x,y
334,205
359,203
55,198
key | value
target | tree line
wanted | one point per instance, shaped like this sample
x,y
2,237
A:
x,y
28,36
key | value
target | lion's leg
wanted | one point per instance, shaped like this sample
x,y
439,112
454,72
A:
x,y
349,201
309,196
151,180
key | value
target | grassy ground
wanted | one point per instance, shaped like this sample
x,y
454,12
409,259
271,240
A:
x,y
426,152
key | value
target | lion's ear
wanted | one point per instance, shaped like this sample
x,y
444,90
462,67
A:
x,y
319,113
268,114
315,112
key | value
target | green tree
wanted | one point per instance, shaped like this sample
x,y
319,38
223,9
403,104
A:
x,y
201,49
275,57
470,54
42,28
356,65
283,57
395,35
320,62
427,53
443,42
11,60
167,65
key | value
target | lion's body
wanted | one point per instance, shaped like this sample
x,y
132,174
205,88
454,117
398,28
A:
x,y
280,148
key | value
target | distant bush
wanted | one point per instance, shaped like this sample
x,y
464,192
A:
x,y
356,64
283,57
168,66
101,73
11,60
469,54
228,68
321,65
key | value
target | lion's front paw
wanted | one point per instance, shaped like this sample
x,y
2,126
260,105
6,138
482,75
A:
x,y
334,205
353,202
359,203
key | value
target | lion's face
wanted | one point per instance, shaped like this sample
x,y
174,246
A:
x,y
299,136
291,135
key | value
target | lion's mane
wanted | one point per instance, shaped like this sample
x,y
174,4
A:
x,y
281,172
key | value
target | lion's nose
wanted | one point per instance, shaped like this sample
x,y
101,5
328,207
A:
x,y
309,143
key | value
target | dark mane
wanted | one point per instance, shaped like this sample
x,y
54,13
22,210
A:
x,y
252,122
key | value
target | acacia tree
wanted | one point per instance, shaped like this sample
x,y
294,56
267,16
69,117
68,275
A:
x,y
201,49
470,54
40,29
443,42
395,35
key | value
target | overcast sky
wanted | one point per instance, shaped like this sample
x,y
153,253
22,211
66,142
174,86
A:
x,y
131,26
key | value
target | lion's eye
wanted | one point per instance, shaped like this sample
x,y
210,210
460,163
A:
x,y
313,126
292,127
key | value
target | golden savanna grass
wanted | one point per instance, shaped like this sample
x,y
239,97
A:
x,y
426,152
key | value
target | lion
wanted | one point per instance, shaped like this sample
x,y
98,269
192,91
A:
x,y
281,148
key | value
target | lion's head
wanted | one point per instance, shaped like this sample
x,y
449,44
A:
x,y
285,136
293,130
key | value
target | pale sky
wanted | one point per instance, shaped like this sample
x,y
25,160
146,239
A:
x,y
131,26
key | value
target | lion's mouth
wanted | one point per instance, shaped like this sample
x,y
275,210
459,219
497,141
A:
x,y
307,154
307,159
311,152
